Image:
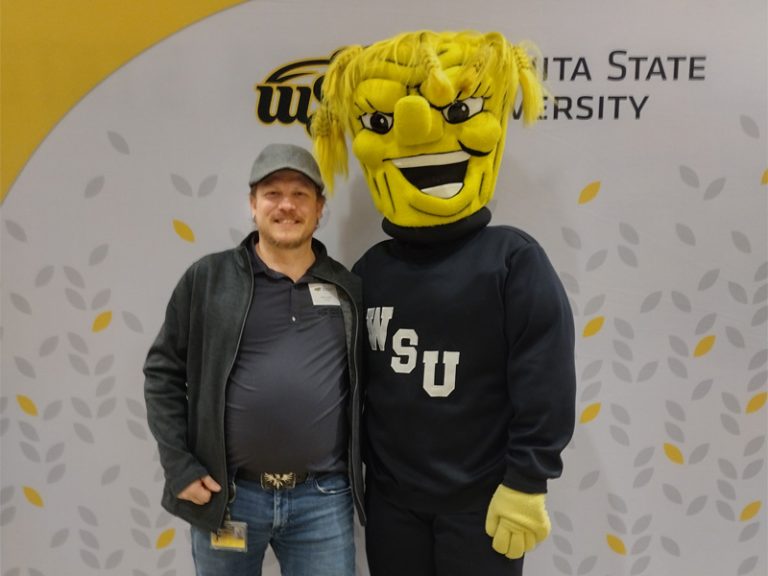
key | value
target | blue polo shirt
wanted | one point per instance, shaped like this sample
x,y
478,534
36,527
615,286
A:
x,y
287,391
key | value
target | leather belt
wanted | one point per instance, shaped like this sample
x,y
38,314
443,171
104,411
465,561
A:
x,y
277,480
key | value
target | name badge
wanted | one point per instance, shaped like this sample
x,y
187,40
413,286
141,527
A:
x,y
232,536
324,294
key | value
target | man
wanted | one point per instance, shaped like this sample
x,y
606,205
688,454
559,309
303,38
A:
x,y
470,364
252,389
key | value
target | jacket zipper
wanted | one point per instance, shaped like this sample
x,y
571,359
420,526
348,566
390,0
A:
x,y
228,484
355,392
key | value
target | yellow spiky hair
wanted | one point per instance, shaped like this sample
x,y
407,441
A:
x,y
413,58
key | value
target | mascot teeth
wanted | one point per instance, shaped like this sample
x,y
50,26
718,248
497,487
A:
x,y
439,175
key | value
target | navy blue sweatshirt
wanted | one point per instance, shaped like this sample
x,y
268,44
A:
x,y
470,365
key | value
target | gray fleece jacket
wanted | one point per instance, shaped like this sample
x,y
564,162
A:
x,y
188,366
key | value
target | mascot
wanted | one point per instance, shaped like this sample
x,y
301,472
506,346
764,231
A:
x,y
470,366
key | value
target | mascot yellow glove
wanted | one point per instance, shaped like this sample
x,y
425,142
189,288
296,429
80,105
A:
x,y
516,521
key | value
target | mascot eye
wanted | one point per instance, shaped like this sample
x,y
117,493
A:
x,y
378,122
462,110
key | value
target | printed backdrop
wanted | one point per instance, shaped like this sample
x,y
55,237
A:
x,y
646,181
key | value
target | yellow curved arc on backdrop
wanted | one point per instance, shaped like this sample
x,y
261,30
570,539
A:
x,y
52,53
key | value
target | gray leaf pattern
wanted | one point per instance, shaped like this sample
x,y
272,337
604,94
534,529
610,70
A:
x,y
15,231
730,424
681,301
741,241
74,277
181,185
594,305
696,505
572,238
75,299
628,256
754,446
101,299
708,279
672,494
643,478
207,186
56,473
59,538
24,367
706,323
647,371
753,469
592,370
677,367
118,142
685,234
714,189
747,566
589,480
762,272
749,126
760,317
110,475
698,454
133,322
20,303
88,516
644,456
629,233
624,328
44,276
77,343
596,260
689,176
738,292
735,337
749,532
651,302
48,346
670,546
98,254
701,390
94,187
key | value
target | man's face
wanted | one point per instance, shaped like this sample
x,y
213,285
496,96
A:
x,y
429,160
286,208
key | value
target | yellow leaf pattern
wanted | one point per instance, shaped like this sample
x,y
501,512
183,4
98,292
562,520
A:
x,y
165,538
34,498
590,192
750,511
757,402
184,231
590,413
616,544
674,453
704,345
593,326
102,321
765,178
26,404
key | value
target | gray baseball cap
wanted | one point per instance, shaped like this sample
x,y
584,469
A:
x,y
285,157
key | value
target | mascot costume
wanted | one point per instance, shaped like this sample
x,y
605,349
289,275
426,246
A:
x,y
470,366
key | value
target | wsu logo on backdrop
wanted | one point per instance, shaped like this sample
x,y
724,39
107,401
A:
x,y
289,93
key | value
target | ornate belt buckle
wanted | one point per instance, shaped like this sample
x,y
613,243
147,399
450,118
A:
x,y
278,481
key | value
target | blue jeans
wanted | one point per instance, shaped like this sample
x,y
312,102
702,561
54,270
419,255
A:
x,y
309,527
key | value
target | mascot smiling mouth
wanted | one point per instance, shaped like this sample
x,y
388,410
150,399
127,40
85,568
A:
x,y
438,175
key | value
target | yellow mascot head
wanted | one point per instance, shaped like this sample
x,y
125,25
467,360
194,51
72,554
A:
x,y
427,114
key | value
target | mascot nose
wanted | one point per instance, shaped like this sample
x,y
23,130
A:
x,y
414,122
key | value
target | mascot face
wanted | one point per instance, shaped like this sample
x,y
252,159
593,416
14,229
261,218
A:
x,y
428,160
427,114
